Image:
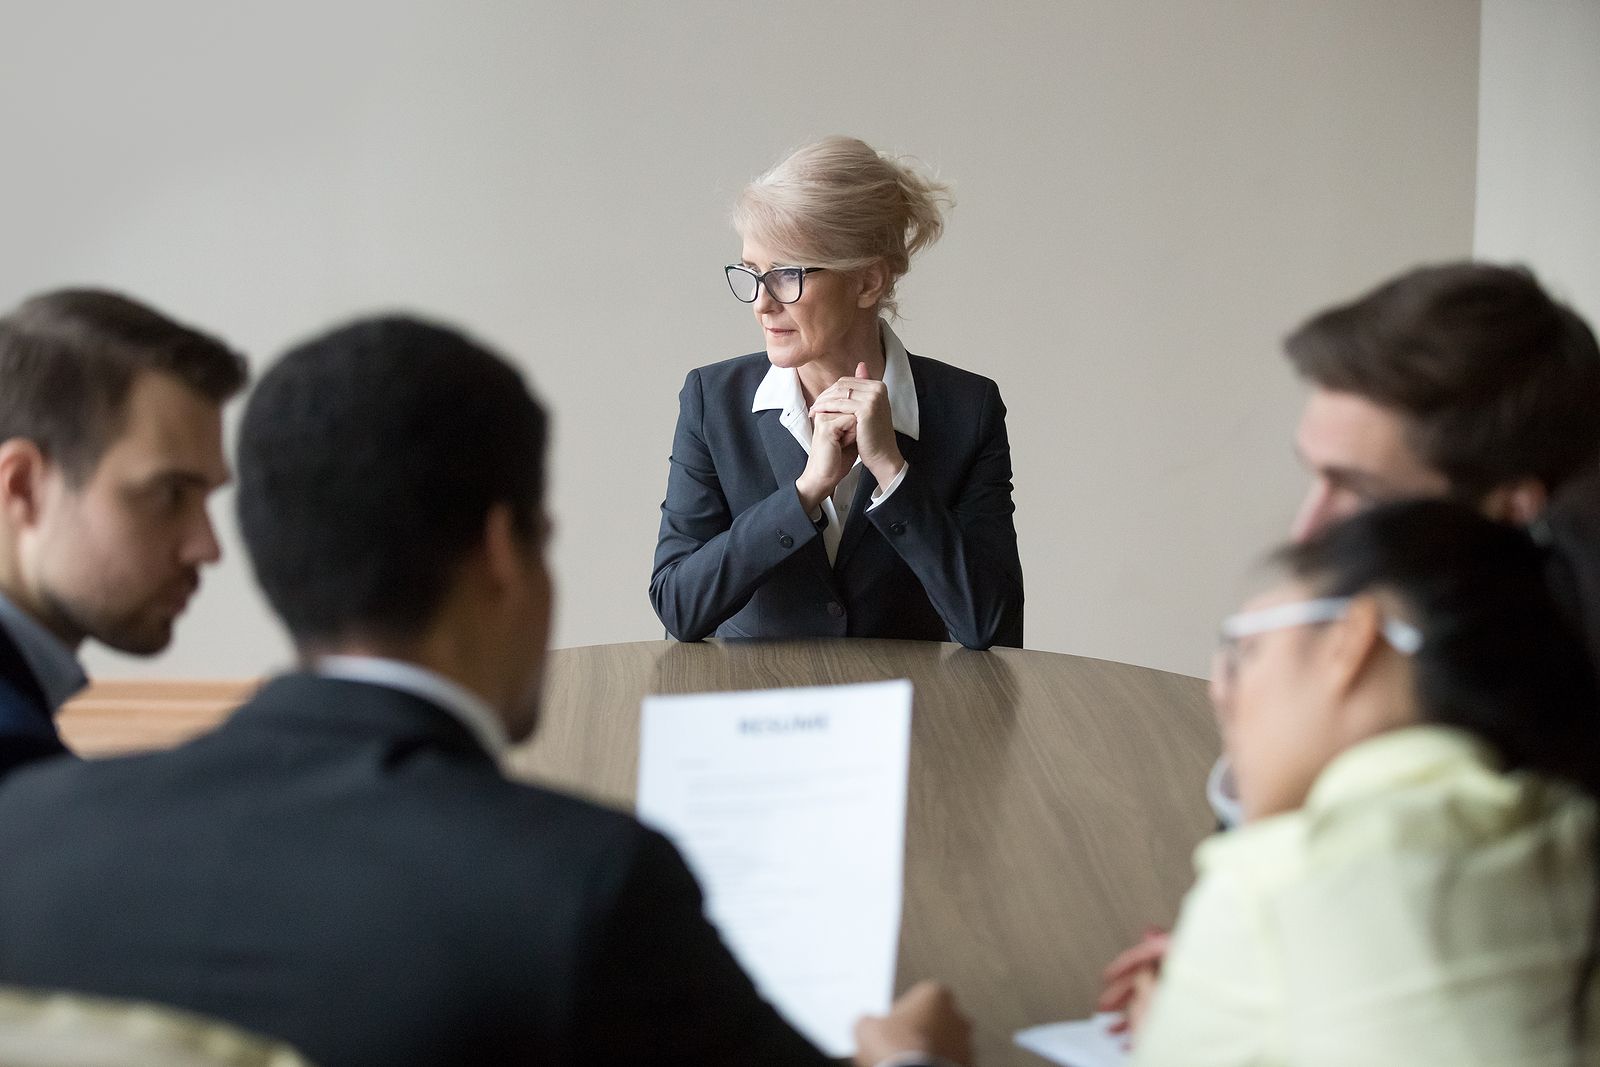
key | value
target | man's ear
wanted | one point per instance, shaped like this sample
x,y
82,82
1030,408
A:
x,y
1518,503
504,549
22,474
874,284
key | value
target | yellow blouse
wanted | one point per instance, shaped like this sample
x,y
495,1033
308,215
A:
x,y
1421,908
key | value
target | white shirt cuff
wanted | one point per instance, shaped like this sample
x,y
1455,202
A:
x,y
883,492
815,514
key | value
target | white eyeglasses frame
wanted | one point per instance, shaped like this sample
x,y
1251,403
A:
x,y
1405,638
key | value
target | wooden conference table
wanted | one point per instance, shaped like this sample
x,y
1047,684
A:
x,y
1054,800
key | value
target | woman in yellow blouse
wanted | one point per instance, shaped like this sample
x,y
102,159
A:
x,y
1414,722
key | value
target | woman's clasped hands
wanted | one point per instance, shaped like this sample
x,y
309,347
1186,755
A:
x,y
850,418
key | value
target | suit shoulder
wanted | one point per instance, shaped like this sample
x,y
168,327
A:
x,y
558,804
613,846
564,816
949,393
50,785
738,372
945,376
530,833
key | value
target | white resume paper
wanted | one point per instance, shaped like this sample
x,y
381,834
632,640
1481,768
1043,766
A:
x,y
1085,1043
790,807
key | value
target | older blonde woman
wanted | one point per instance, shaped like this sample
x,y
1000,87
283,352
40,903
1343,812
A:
x,y
834,484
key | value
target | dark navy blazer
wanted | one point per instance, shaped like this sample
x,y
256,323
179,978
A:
x,y
738,557
27,727
342,866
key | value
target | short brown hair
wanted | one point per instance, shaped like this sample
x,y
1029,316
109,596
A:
x,y
1496,380
69,357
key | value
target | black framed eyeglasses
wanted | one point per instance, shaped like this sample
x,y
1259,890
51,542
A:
x,y
784,284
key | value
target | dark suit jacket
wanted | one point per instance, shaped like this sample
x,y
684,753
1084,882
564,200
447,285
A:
x,y
343,867
27,725
737,555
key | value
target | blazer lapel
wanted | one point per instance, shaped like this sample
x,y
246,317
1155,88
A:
x,y
856,525
788,459
784,453
35,716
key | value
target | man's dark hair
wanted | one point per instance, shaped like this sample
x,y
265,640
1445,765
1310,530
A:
x,y
68,359
369,458
1497,381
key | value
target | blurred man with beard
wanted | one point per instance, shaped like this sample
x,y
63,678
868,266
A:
x,y
110,446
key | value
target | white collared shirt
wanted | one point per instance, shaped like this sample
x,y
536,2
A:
x,y
780,390
467,707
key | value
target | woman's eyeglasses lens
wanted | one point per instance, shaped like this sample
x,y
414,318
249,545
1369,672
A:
x,y
783,283
743,283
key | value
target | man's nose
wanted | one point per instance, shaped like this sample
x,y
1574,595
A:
x,y
1316,511
1218,687
202,545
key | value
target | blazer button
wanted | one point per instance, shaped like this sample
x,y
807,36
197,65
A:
x,y
835,608
785,540
897,527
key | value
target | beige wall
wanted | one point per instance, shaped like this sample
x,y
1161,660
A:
x,y
1151,193
1539,142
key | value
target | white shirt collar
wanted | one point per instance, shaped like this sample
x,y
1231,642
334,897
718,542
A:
x,y
467,707
780,389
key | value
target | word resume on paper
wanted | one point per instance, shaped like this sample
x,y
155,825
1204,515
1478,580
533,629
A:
x,y
790,807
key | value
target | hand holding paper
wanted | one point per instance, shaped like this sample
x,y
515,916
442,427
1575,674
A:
x,y
1130,979
924,1019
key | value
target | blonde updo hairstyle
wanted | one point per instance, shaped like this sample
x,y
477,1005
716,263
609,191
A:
x,y
841,204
